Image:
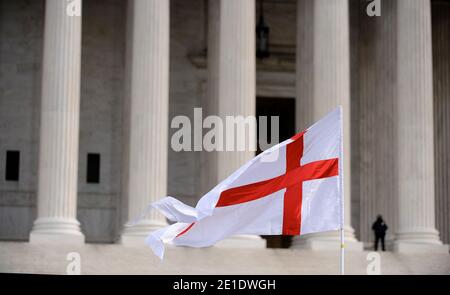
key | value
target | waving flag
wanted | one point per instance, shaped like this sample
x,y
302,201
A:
x,y
293,188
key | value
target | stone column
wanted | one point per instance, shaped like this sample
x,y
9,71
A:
x,y
149,91
441,73
237,70
416,227
58,151
323,83
209,171
376,116
231,85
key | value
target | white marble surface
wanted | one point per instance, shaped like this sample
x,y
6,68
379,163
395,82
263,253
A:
x,y
59,128
117,259
149,116
415,136
323,83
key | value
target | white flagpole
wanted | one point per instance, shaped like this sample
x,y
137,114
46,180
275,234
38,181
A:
x,y
342,253
341,186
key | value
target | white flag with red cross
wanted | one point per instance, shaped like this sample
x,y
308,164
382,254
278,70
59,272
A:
x,y
293,188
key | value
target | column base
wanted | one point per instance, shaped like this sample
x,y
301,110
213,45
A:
x,y
327,241
243,241
403,247
419,241
56,231
135,235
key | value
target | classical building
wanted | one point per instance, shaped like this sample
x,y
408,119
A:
x,y
88,90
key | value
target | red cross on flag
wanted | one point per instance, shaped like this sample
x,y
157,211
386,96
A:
x,y
293,188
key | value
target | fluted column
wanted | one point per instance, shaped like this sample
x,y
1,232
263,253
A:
x,y
231,86
236,84
416,228
147,164
441,73
377,114
323,83
209,171
58,152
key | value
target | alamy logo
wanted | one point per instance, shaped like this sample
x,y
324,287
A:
x,y
374,266
374,8
232,133
73,8
74,266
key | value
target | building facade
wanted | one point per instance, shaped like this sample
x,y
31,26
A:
x,y
86,103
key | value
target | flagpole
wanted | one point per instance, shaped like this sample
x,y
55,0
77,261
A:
x,y
341,173
342,263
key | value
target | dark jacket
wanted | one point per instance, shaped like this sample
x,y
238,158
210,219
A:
x,y
379,227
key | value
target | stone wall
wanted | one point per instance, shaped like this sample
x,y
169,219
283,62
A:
x,y
102,92
441,64
21,33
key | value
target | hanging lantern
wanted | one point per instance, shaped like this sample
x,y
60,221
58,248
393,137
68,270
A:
x,y
262,36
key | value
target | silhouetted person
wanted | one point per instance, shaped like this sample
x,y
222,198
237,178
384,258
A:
x,y
379,228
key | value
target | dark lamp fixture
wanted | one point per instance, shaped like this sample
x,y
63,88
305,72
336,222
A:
x,y
262,36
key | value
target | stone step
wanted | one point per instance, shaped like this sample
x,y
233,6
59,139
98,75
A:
x,y
22,257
